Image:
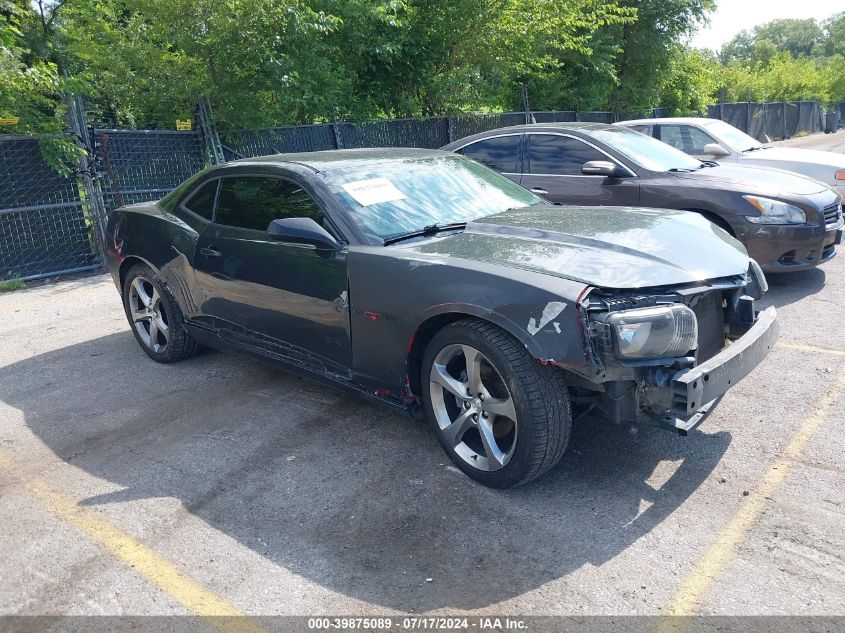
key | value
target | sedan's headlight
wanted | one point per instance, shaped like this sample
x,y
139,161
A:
x,y
658,332
775,212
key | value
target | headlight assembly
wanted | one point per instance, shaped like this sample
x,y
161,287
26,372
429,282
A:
x,y
774,212
656,332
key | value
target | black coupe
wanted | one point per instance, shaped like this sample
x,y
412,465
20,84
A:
x,y
423,278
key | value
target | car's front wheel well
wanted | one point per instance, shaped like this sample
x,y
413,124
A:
x,y
125,266
422,337
715,219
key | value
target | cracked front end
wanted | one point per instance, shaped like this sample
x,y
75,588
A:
x,y
667,356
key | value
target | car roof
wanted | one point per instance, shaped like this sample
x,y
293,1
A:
x,y
337,158
679,119
573,126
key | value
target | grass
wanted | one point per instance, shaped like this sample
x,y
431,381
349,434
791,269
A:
x,y
10,285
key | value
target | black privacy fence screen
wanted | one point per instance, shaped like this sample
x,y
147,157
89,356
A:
x,y
53,224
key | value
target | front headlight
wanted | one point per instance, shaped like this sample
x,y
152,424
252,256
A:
x,y
658,332
775,212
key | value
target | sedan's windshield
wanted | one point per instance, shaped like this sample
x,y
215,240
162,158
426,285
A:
x,y
645,150
397,197
737,139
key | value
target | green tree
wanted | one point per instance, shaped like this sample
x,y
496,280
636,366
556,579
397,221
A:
x,y
648,46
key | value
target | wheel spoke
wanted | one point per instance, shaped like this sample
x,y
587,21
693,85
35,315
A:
x,y
154,300
161,326
473,361
440,376
138,285
454,433
495,457
501,406
153,333
140,315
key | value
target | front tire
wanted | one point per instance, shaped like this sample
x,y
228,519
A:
x,y
155,317
502,417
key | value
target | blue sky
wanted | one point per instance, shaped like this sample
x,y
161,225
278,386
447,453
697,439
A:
x,y
733,16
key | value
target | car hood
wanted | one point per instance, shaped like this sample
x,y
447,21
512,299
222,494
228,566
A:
x,y
765,181
607,247
797,155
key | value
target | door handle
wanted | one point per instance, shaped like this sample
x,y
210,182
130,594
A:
x,y
210,251
539,192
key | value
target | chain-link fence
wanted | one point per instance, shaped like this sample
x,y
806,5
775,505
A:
x,y
46,224
51,224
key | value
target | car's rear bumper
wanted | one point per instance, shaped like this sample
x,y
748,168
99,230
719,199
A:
x,y
695,390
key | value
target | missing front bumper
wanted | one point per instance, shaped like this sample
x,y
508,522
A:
x,y
695,390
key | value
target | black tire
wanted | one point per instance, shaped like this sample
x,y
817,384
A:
x,y
538,393
178,345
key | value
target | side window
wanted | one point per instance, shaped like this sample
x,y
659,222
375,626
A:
x,y
673,135
201,201
642,129
559,155
698,139
252,202
498,153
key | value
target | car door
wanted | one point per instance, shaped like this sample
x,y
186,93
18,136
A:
x,y
553,170
285,300
501,153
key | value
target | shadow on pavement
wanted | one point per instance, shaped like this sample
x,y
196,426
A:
x,y
345,493
787,288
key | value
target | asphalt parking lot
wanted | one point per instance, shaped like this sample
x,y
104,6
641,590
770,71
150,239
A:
x,y
220,485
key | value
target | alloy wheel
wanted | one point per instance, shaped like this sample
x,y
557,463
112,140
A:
x,y
148,314
473,407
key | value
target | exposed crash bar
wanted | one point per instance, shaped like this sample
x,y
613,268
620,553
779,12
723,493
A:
x,y
693,388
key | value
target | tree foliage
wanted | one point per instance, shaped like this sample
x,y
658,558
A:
x,y
785,60
143,63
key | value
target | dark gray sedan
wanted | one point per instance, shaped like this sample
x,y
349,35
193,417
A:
x,y
786,221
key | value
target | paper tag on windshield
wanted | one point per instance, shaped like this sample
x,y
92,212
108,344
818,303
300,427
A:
x,y
373,191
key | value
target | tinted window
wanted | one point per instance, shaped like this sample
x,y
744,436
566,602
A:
x,y
644,150
498,153
671,135
642,129
202,202
561,155
686,138
252,202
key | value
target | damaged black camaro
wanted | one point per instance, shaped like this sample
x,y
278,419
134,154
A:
x,y
422,278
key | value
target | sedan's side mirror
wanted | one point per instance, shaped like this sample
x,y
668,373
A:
x,y
603,168
302,231
714,149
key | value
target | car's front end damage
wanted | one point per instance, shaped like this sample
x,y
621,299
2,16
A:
x,y
667,355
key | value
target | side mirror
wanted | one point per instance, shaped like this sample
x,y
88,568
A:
x,y
603,168
714,149
302,231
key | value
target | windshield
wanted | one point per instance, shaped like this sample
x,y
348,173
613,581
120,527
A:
x,y
737,139
397,197
645,150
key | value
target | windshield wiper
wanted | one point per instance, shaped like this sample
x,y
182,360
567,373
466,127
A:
x,y
754,149
431,229
676,170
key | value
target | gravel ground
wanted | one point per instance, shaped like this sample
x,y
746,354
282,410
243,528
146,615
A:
x,y
128,487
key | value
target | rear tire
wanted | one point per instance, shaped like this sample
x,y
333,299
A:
x,y
502,417
155,317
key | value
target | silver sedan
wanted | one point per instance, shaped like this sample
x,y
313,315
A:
x,y
711,139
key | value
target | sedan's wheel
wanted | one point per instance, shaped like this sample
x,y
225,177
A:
x,y
502,417
155,317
